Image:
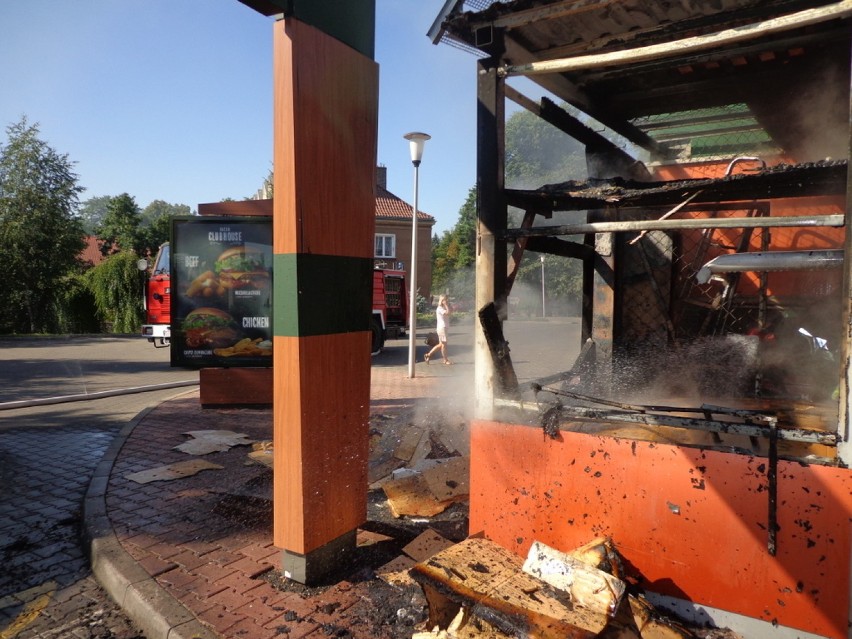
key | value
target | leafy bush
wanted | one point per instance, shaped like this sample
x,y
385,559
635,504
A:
x,y
74,306
116,285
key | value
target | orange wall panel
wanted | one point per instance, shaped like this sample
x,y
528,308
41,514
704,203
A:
x,y
692,523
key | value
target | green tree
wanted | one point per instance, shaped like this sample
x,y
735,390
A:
x,y
40,235
92,213
121,228
538,153
156,223
454,254
116,284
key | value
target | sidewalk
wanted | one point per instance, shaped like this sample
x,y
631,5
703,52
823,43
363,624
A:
x,y
192,557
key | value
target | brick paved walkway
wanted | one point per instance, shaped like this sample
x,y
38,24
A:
x,y
202,560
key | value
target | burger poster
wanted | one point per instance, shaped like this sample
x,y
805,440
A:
x,y
221,292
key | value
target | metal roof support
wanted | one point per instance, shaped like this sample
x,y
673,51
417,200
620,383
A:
x,y
672,225
769,261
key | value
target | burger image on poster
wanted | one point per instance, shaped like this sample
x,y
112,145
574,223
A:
x,y
243,267
209,327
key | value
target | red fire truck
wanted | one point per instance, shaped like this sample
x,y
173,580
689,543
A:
x,y
390,307
157,300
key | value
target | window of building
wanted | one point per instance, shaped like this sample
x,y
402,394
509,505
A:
x,y
385,245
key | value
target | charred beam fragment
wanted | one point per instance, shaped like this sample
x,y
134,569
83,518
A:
x,y
499,348
562,248
518,251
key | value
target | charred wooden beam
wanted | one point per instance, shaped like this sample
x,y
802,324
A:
x,y
518,251
499,348
824,178
562,248
560,85
551,113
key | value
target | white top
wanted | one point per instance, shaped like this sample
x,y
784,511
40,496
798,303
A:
x,y
441,314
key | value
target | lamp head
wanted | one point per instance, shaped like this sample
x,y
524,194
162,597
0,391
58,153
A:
x,y
416,141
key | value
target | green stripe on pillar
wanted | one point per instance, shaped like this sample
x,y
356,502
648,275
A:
x,y
321,294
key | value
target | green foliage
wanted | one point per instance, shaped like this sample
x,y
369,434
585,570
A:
x,y
116,285
92,213
120,229
75,306
156,223
538,153
454,254
40,235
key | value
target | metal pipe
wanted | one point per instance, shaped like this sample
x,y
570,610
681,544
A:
x,y
679,224
744,158
771,261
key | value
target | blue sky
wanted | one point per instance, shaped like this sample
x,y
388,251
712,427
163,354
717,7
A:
x,y
172,99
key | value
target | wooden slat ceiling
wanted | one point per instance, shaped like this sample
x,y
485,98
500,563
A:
x,y
768,74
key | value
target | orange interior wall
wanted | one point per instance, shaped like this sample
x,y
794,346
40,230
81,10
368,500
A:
x,y
692,523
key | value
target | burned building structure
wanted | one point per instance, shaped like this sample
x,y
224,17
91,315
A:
x,y
704,427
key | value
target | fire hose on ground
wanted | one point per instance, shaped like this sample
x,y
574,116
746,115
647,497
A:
x,y
82,397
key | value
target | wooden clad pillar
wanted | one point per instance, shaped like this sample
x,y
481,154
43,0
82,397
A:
x,y
326,114
492,215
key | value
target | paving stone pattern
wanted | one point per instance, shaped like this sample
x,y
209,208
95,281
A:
x,y
46,587
207,539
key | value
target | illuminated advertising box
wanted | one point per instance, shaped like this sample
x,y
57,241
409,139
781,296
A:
x,y
221,292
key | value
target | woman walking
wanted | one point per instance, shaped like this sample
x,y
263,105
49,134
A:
x,y
442,316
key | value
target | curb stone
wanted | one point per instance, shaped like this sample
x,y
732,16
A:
x,y
157,613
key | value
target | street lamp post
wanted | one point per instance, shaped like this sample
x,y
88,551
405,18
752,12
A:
x,y
416,141
543,307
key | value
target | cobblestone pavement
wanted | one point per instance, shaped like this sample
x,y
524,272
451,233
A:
x,y
47,456
46,586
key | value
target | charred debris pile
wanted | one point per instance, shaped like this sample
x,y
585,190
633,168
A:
x,y
477,589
